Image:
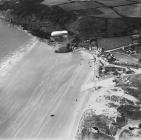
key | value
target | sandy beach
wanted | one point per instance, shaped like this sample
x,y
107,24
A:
x,y
41,94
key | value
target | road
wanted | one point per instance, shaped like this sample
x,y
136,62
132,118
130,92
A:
x,y
41,96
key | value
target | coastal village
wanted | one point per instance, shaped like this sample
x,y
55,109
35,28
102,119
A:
x,y
111,74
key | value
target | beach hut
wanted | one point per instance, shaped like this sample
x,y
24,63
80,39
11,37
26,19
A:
x,y
59,35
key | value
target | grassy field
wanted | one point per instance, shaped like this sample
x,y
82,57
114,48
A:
x,y
115,42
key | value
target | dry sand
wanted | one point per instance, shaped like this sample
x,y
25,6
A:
x,y
40,95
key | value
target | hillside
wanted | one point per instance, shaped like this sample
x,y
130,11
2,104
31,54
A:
x,y
80,18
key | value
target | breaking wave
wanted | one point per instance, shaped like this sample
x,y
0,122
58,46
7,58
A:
x,y
12,59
